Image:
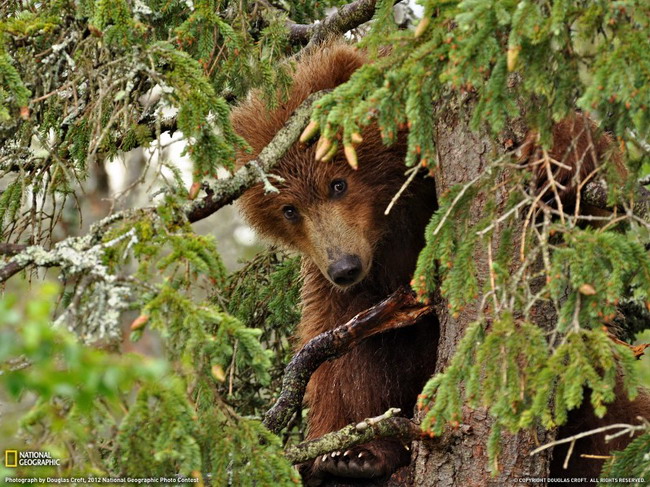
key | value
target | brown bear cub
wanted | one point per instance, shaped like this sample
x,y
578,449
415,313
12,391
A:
x,y
353,257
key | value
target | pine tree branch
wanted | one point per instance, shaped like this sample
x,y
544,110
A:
x,y
398,310
384,426
225,191
219,194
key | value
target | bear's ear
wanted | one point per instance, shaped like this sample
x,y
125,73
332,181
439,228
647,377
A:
x,y
325,68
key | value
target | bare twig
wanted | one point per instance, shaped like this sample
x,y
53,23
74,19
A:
x,y
624,427
398,310
384,426
455,201
413,172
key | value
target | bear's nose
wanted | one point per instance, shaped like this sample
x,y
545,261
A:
x,y
346,270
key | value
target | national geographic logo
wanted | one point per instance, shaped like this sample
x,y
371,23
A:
x,y
15,458
11,458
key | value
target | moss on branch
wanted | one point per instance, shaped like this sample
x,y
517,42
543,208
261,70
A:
x,y
386,425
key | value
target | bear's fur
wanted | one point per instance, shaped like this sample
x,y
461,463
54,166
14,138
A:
x,y
331,229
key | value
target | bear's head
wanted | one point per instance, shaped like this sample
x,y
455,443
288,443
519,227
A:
x,y
327,211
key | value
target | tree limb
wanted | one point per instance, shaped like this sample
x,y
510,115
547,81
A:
x,y
68,253
595,194
223,192
11,269
398,310
344,19
11,249
384,426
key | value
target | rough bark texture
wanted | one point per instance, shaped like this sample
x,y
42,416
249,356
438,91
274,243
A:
x,y
338,23
459,457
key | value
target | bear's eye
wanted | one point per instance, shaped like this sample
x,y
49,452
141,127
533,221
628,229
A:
x,y
338,187
290,212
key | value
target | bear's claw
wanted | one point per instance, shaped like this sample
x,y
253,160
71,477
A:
x,y
353,463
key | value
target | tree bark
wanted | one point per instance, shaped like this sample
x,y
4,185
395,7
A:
x,y
459,457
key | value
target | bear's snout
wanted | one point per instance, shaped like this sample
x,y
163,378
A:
x,y
346,270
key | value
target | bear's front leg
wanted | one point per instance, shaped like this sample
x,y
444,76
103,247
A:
x,y
348,390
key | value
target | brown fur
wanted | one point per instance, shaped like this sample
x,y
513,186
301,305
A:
x,y
583,419
388,370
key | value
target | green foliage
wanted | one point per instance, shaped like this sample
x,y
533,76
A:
x,y
253,296
611,263
83,82
633,462
85,413
594,52
78,390
104,77
549,57
508,368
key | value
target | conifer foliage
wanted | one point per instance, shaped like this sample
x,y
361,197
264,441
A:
x,y
84,82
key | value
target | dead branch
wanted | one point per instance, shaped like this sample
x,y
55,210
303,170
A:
x,y
384,426
398,310
624,429
11,249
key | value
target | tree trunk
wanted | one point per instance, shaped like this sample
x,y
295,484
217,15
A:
x,y
459,457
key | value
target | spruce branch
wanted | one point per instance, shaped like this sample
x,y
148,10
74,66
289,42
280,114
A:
x,y
219,194
387,425
225,191
398,310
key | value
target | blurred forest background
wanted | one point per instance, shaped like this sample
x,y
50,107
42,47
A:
x,y
171,329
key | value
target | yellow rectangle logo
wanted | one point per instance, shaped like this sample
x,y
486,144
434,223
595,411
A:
x,y
11,458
